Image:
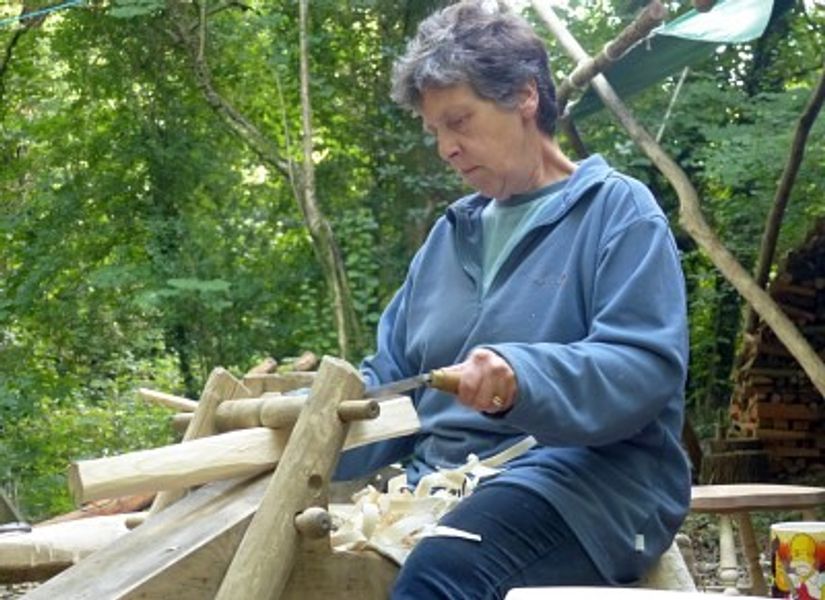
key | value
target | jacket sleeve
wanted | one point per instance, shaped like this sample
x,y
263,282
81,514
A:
x,y
387,364
607,386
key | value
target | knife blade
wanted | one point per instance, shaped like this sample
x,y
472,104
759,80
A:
x,y
440,379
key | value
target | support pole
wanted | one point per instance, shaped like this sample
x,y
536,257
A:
x,y
263,563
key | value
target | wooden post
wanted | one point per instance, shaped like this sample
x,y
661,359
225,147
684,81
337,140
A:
x,y
219,387
263,563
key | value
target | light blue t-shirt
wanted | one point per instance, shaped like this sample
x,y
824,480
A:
x,y
504,223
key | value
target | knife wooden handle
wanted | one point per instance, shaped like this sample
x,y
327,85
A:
x,y
446,381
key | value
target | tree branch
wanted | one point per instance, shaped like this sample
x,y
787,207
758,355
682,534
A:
x,y
767,249
690,214
652,15
259,144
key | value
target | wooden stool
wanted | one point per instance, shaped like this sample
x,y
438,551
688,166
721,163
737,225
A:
x,y
605,593
738,501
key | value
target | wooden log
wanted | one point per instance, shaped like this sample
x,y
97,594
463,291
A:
x,y
261,568
742,466
185,547
277,382
782,287
233,454
649,18
779,434
363,575
786,452
177,402
180,421
267,365
220,386
49,549
770,410
308,361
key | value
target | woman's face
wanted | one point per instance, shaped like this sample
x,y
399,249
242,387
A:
x,y
492,148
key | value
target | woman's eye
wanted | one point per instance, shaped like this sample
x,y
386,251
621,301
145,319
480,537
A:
x,y
459,123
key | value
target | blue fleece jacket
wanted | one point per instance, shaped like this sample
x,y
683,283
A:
x,y
589,311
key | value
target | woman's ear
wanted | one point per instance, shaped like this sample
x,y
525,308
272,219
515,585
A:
x,y
529,101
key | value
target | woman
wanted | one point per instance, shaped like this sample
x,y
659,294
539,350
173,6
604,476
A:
x,y
556,291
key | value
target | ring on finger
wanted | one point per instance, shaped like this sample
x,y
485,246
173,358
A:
x,y
498,402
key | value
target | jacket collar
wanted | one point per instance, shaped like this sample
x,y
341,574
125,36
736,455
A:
x,y
590,172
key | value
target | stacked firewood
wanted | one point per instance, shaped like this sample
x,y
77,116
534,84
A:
x,y
774,400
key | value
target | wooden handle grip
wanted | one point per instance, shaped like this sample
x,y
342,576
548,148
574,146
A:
x,y
446,381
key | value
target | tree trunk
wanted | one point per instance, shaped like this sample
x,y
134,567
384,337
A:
x,y
767,248
323,239
301,179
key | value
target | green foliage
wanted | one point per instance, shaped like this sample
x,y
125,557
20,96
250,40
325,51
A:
x,y
99,418
141,242
36,452
124,9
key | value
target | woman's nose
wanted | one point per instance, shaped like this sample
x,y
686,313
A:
x,y
447,147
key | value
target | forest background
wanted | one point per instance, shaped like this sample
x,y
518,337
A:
x,y
157,198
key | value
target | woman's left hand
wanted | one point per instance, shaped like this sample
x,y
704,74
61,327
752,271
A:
x,y
488,384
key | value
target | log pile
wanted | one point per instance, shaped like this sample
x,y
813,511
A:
x,y
774,400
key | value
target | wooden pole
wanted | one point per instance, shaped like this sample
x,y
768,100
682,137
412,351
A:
x,y
282,411
234,454
263,563
219,386
652,15
169,400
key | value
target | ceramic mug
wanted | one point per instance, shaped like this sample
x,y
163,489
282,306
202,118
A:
x,y
798,560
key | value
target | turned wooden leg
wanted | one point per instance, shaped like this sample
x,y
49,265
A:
x,y
751,551
728,569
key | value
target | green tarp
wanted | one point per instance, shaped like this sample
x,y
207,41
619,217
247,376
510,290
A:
x,y
682,42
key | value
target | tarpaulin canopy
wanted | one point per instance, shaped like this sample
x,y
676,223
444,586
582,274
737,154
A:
x,y
682,42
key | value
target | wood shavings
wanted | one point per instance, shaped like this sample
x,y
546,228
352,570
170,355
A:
x,y
392,523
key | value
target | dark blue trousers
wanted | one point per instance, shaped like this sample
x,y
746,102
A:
x,y
524,542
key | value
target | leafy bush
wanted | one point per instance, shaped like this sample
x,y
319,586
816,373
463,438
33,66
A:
x,y
37,450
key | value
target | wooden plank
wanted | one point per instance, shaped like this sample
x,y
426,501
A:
x,y
362,575
238,453
260,567
739,497
183,547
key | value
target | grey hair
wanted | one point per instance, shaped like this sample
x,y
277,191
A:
x,y
494,51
